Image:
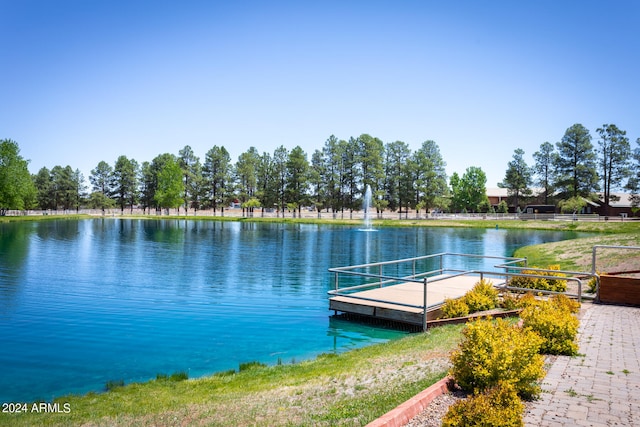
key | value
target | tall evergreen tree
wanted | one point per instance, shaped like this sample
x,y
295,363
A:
x,y
246,175
147,184
316,180
575,164
334,173
518,178
399,180
101,179
544,169
217,176
80,189
430,178
190,165
371,156
64,186
297,178
615,151
265,182
280,156
633,184
352,174
125,181
44,188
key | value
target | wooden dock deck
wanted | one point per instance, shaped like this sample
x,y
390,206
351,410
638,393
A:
x,y
395,302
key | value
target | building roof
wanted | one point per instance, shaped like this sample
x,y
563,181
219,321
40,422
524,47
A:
x,y
504,192
622,200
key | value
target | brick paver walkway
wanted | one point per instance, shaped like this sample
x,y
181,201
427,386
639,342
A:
x,y
601,386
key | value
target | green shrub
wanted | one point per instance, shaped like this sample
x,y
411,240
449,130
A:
x,y
246,366
176,376
454,308
113,384
498,406
179,376
494,351
555,323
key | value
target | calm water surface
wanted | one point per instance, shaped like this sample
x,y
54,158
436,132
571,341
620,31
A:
x,y
86,302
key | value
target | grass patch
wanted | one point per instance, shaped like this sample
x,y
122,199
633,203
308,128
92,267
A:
x,y
576,254
176,376
28,218
334,389
113,384
247,366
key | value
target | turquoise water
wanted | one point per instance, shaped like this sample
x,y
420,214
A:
x,y
87,302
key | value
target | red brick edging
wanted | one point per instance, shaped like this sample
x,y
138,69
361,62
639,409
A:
x,y
402,414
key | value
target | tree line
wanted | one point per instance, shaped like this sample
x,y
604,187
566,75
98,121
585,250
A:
x,y
333,179
574,170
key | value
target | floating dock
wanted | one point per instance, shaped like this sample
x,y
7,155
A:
x,y
412,291
404,302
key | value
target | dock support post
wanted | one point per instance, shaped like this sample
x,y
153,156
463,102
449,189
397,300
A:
x,y
424,302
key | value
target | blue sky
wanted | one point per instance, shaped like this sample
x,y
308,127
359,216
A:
x,y
88,80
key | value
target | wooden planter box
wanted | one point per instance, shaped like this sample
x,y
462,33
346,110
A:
x,y
619,290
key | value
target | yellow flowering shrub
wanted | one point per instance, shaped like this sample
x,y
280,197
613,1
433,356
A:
x,y
498,406
564,302
454,308
592,283
483,296
510,301
527,300
555,285
494,351
555,323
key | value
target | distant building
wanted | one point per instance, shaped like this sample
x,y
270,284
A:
x,y
619,205
497,195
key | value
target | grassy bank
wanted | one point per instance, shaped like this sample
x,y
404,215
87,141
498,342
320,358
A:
x,y
352,388
25,218
576,254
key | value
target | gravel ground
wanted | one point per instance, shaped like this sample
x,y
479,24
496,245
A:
x,y
433,414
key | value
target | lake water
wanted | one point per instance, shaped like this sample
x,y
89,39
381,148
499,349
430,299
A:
x,y
91,301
